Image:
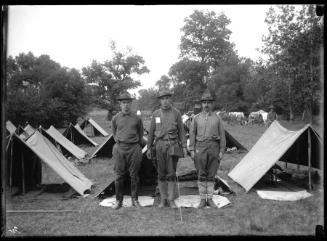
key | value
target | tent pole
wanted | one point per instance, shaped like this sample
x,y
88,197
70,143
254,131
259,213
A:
x,y
23,174
309,158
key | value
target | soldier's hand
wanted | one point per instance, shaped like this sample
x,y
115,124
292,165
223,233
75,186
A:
x,y
220,155
149,154
192,154
185,152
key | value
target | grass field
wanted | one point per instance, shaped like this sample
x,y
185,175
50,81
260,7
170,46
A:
x,y
248,214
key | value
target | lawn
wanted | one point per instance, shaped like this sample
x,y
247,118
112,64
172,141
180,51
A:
x,y
248,214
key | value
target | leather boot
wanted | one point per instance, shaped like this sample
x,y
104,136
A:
x,y
171,194
163,193
134,193
118,204
135,203
119,185
202,204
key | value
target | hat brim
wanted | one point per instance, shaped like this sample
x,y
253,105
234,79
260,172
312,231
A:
x,y
170,95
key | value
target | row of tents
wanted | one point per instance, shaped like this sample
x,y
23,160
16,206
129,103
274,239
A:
x,y
27,147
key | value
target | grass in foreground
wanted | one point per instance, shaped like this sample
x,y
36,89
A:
x,y
248,214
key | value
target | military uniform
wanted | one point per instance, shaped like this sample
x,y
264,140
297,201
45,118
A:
x,y
207,139
127,152
166,129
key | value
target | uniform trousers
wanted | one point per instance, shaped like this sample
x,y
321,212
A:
x,y
128,158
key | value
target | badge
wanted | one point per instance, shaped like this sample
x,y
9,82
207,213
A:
x,y
157,120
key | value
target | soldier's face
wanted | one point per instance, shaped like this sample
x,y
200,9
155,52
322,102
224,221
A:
x,y
125,106
165,102
207,106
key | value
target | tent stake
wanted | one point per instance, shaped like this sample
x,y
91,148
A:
x,y
309,158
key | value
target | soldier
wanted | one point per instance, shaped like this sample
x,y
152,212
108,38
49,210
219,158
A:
x,y
127,129
196,109
272,115
207,145
167,133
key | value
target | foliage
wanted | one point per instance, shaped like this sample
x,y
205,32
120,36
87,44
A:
x,y
206,38
293,46
148,99
114,76
41,92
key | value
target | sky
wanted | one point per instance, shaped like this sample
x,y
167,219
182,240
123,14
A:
x,y
75,35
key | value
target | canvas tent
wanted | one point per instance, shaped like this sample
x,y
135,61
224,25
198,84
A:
x,y
92,128
67,147
21,132
10,127
278,144
105,149
232,142
76,135
29,129
24,164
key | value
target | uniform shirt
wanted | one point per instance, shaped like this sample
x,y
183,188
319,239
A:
x,y
207,126
166,123
127,128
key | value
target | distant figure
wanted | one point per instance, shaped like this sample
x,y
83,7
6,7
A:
x,y
272,115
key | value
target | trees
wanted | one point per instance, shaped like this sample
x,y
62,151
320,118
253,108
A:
x,y
206,38
148,99
40,91
115,75
293,45
204,48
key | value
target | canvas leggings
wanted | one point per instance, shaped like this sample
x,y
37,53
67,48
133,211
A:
x,y
206,158
128,158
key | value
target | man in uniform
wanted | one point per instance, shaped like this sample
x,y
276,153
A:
x,y
127,129
207,145
166,131
272,115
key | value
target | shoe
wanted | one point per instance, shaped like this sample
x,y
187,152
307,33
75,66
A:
x,y
202,204
211,204
172,204
163,203
135,203
117,205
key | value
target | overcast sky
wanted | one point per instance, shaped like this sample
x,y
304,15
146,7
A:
x,y
75,35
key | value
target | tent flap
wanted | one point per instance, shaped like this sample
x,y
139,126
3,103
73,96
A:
x,y
276,144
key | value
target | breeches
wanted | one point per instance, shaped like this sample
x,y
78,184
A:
x,y
166,164
206,159
128,158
